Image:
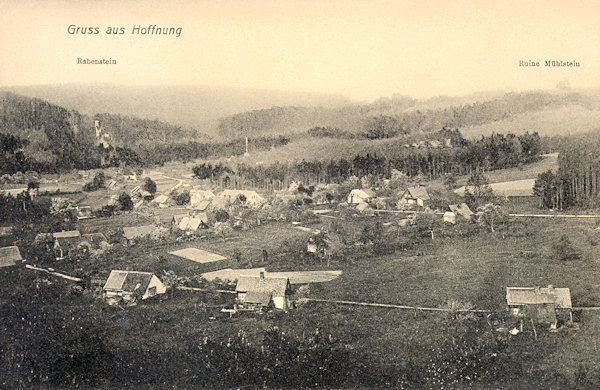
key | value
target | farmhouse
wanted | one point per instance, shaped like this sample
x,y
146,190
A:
x,y
136,232
190,223
9,256
199,196
64,242
131,286
541,304
252,197
260,293
413,196
359,195
161,200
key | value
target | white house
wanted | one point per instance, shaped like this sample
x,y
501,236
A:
x,y
360,195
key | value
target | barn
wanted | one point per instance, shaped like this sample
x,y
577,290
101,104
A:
x,y
542,304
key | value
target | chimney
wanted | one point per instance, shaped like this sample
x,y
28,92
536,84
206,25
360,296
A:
x,y
262,275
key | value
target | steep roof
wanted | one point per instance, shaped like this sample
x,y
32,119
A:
x,y
418,193
276,286
262,297
201,205
128,281
517,296
138,231
9,255
160,199
198,255
364,193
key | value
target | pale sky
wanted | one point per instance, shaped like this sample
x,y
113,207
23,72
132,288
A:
x,y
361,49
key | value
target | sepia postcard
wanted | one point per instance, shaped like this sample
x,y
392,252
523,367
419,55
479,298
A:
x,y
299,194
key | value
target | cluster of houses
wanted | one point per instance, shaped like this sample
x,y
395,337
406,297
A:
x,y
412,199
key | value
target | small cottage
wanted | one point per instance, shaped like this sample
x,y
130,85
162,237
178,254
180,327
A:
x,y
65,242
360,195
542,304
414,196
450,217
131,286
261,293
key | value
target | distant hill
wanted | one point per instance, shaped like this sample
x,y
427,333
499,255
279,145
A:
x,y
402,115
190,106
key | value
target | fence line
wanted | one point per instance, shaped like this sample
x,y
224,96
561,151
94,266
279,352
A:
x,y
388,305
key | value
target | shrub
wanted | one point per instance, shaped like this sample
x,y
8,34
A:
x,y
125,202
565,250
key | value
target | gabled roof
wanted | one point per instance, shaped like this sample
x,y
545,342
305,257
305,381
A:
x,y
276,286
160,199
518,296
198,255
138,231
418,193
128,281
201,205
364,193
9,255
67,234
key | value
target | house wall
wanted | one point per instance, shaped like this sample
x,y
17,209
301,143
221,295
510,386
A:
x,y
154,282
280,303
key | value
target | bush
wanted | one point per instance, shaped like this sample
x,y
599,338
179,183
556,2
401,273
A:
x,y
565,250
96,183
149,186
181,198
125,202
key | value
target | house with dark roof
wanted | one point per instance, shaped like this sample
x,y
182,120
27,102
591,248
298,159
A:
x,y
9,256
65,242
261,293
541,304
413,196
131,286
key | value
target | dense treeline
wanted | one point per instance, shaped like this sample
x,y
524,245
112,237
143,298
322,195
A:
x,y
577,182
462,157
380,120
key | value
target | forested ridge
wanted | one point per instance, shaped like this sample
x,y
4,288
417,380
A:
x,y
43,137
392,117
